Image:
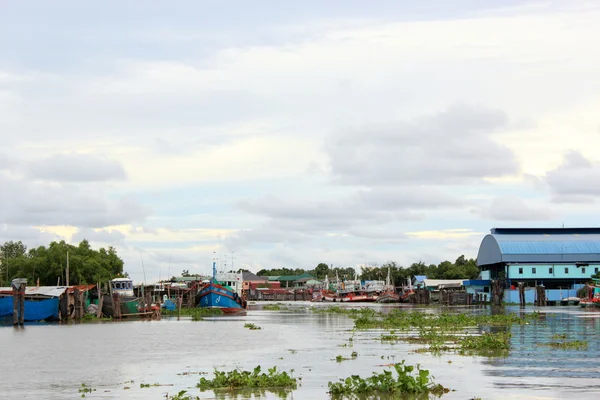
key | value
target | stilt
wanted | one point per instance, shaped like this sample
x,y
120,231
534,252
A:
x,y
521,294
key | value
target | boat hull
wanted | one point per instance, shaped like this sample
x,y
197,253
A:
x,y
129,306
213,295
388,298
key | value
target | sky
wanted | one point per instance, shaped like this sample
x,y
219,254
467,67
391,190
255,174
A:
x,y
276,134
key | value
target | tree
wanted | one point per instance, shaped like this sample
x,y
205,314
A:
x,y
321,271
9,252
48,264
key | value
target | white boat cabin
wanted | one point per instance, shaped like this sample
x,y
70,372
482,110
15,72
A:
x,y
122,286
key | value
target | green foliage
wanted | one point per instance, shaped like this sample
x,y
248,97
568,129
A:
x,y
182,395
197,313
406,383
280,272
238,379
462,268
274,307
252,327
86,266
85,389
566,344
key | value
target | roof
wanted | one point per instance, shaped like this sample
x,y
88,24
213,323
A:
x,y
540,245
291,277
443,283
249,276
420,278
50,291
189,278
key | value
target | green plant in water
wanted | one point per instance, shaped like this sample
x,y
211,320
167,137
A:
x,y
274,307
406,383
354,354
237,379
196,313
182,395
252,327
85,389
565,344
562,336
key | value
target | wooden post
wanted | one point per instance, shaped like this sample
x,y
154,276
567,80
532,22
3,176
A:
x,y
179,300
116,303
15,306
100,304
521,294
76,305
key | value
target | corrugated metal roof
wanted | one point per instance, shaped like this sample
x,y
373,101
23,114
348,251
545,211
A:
x,y
443,282
51,291
531,245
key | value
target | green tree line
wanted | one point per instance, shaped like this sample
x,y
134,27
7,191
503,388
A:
x,y
48,263
462,268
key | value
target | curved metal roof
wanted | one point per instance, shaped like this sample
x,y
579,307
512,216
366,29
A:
x,y
539,245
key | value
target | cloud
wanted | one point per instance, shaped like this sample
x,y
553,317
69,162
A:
x,y
454,146
574,181
99,236
40,203
76,168
507,208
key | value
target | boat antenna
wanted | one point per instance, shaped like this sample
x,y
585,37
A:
x,y
214,271
169,277
143,269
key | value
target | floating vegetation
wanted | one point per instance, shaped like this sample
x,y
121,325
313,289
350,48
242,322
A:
x,y
252,327
93,318
561,336
196,313
182,395
565,344
237,379
340,358
85,389
292,351
275,307
406,383
441,331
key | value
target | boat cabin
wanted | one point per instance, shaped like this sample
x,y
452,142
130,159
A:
x,y
122,286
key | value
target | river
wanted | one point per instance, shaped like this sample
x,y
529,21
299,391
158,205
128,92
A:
x,y
51,361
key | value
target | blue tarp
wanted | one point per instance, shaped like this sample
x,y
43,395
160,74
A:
x,y
34,310
169,305
6,306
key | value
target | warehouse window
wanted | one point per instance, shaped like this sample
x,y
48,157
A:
x,y
550,269
566,270
533,270
520,271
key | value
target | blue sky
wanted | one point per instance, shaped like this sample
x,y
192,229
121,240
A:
x,y
293,133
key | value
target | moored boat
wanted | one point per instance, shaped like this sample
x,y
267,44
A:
x,y
214,294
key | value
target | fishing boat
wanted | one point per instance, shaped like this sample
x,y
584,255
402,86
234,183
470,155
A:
x,y
388,295
213,294
129,303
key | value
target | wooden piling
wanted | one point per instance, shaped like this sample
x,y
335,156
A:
x,y
541,296
521,286
497,292
15,306
76,305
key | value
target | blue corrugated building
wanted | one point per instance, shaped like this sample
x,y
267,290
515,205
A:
x,y
560,259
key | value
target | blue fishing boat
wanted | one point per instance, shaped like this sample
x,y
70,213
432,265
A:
x,y
213,294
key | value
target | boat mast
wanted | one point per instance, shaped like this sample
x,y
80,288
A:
x,y
214,269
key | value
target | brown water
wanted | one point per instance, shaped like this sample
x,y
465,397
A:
x,y
49,361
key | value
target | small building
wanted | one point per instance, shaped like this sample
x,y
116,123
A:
x,y
292,281
438,284
560,259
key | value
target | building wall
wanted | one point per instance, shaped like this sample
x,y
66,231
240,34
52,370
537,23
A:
x,y
550,271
